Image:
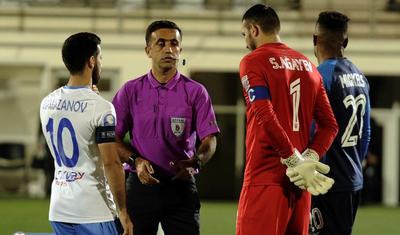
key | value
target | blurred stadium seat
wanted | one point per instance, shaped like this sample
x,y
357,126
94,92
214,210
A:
x,y
12,166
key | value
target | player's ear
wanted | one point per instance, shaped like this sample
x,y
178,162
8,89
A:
x,y
92,62
345,42
254,29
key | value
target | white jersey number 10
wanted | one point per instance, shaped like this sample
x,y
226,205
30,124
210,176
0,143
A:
x,y
61,157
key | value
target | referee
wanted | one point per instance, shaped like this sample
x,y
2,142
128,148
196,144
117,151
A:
x,y
165,114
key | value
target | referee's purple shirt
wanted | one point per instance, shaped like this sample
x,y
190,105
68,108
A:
x,y
164,120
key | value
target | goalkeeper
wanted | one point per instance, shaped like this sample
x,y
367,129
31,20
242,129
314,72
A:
x,y
284,93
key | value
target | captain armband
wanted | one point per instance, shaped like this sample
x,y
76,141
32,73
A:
x,y
105,134
258,93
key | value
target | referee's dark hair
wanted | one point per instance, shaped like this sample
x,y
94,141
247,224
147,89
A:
x,y
332,27
264,16
161,24
77,50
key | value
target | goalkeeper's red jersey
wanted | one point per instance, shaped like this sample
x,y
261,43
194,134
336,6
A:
x,y
284,93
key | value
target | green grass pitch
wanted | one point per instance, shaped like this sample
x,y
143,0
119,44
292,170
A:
x,y
217,218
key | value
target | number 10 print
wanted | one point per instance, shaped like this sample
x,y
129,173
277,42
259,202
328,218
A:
x,y
61,157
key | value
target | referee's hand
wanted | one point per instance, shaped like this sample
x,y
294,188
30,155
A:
x,y
144,171
185,169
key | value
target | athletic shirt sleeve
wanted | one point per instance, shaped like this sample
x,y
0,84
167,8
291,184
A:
x,y
366,132
105,122
206,123
326,122
258,99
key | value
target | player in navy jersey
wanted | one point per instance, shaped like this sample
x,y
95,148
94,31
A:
x,y
284,93
347,89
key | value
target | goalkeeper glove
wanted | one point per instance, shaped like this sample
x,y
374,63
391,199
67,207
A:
x,y
305,172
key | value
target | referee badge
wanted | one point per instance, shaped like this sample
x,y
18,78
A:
x,y
177,125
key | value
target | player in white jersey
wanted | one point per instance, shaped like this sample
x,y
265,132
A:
x,y
79,126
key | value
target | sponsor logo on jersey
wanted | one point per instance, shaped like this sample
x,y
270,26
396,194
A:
x,y
177,125
63,176
109,120
245,83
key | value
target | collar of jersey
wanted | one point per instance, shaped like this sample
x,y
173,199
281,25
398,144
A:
x,y
76,87
170,84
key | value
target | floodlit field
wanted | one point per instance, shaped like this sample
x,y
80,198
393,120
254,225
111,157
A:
x,y
217,218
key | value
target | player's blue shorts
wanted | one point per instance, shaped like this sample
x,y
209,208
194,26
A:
x,y
103,228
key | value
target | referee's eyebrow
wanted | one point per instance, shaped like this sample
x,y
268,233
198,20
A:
x,y
167,40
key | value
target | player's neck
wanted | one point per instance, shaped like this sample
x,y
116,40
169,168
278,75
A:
x,y
79,80
325,56
270,38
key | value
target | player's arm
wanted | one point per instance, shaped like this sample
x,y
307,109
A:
x,y
366,131
327,127
114,171
304,171
309,173
267,120
115,177
258,97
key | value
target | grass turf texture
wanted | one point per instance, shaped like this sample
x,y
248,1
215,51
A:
x,y
217,218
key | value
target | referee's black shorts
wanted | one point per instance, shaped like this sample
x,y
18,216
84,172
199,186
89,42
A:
x,y
173,203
